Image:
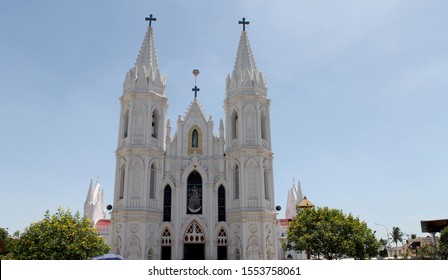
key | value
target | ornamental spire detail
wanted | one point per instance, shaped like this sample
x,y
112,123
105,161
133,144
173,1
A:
x,y
245,77
145,75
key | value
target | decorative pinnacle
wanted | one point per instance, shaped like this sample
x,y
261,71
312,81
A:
x,y
150,19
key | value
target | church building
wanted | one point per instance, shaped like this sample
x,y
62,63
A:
x,y
192,194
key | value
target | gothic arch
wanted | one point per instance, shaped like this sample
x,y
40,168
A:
x,y
194,233
138,161
194,220
166,241
198,168
222,241
218,228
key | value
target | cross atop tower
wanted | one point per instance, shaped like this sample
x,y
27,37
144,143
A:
x,y
150,19
243,22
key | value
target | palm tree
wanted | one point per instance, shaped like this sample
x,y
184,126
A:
x,y
397,235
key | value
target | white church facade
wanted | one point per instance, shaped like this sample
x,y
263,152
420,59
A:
x,y
192,194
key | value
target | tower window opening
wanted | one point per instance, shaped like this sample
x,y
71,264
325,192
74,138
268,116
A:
x,y
154,124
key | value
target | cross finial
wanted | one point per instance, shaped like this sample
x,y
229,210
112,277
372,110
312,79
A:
x,y
243,22
195,89
150,19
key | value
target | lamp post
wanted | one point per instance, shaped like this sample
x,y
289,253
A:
x,y
388,238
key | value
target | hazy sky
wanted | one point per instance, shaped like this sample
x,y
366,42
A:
x,y
359,94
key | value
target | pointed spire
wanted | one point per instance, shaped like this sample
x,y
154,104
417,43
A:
x,y
89,197
245,77
145,75
147,57
244,59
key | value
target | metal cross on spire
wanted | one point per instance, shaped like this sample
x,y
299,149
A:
x,y
243,22
195,89
150,19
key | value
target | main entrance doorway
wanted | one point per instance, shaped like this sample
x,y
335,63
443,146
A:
x,y
194,252
194,242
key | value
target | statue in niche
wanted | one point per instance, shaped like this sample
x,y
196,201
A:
x,y
195,139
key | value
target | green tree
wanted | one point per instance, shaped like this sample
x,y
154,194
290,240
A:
x,y
443,244
4,235
331,234
397,235
61,236
428,252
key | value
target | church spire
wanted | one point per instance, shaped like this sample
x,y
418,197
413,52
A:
x,y
145,75
245,76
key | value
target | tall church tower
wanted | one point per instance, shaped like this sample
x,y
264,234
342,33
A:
x,y
140,151
252,213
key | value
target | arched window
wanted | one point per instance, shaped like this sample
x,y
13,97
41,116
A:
x,y
194,193
166,244
221,204
234,125
125,124
222,244
122,177
195,139
152,182
155,124
236,182
167,204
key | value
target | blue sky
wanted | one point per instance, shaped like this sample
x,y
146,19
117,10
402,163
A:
x,y
358,90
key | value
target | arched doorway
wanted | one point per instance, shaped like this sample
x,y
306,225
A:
x,y
194,242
